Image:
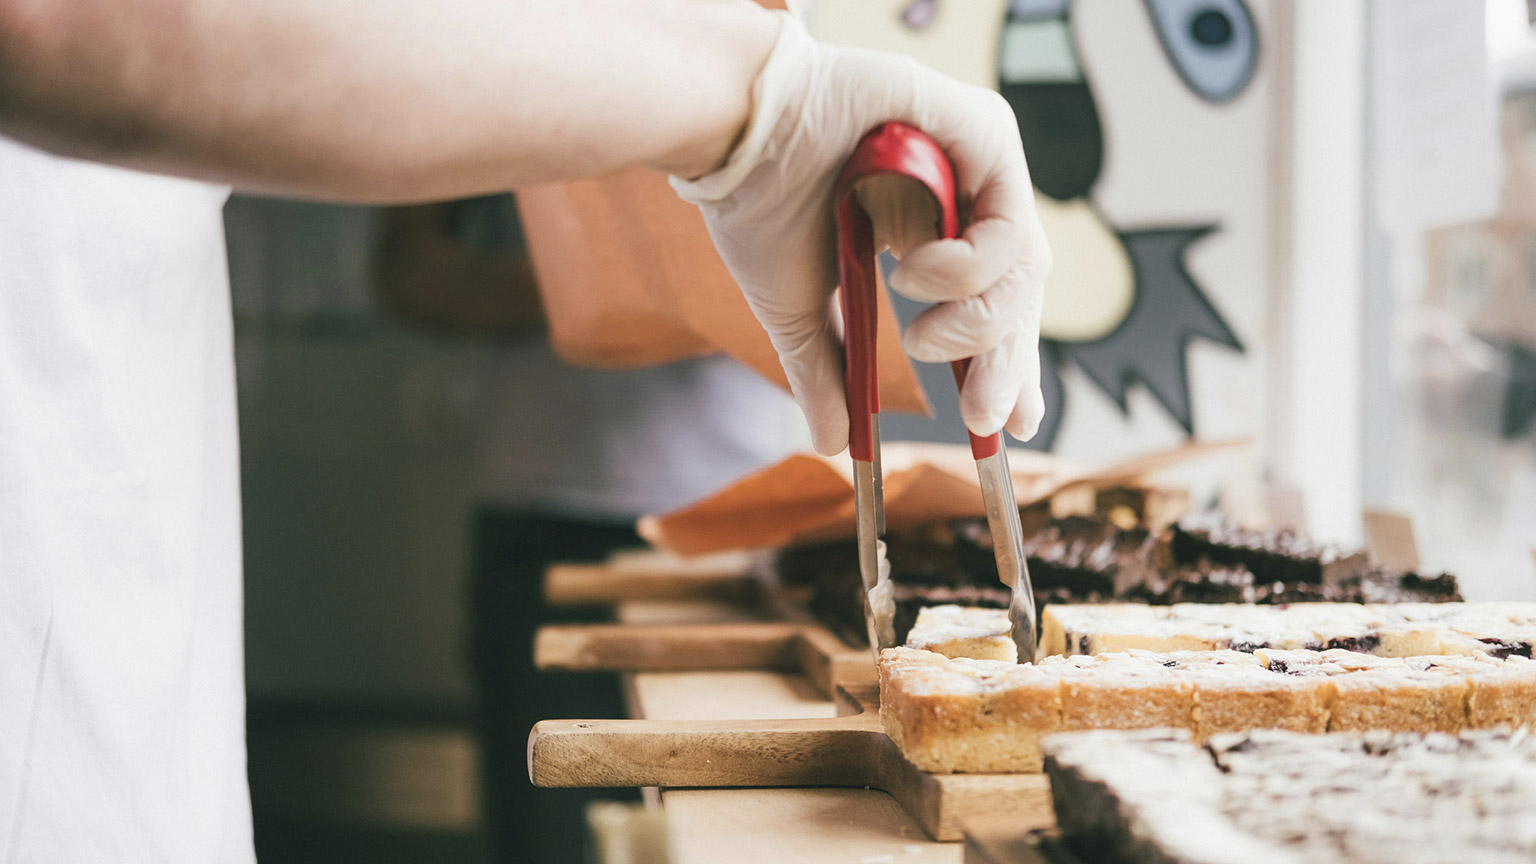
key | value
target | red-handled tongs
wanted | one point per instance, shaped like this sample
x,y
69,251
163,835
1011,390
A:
x,y
899,149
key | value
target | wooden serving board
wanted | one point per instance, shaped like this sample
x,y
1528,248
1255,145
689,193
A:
x,y
649,575
848,750
800,646
711,614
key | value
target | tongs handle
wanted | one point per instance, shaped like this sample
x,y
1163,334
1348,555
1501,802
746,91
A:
x,y
890,148
982,446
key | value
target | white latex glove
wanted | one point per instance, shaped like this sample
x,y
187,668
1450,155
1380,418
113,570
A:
x,y
769,211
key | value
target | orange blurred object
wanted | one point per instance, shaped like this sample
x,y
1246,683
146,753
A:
x,y
628,277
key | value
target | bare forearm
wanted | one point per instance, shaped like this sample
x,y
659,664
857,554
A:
x,y
382,100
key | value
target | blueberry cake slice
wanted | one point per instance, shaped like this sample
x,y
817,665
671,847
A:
x,y
989,716
1499,629
964,631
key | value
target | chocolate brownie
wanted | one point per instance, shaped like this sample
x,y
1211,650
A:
x,y
1083,559
1273,555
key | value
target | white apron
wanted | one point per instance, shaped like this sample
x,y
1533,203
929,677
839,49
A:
x,y
121,672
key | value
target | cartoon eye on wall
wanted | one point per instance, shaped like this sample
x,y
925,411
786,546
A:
x,y
1120,304
1121,307
1211,43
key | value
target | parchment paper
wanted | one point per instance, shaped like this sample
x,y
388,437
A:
x,y
808,497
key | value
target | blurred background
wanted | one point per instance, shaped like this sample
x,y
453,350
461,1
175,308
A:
x,y
1310,224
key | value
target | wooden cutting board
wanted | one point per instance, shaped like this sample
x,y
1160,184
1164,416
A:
x,y
848,750
778,634
650,575
798,646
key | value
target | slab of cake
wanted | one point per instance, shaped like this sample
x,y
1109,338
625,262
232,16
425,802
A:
x,y
989,716
1499,629
1271,797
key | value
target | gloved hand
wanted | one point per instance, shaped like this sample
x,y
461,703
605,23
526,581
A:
x,y
769,212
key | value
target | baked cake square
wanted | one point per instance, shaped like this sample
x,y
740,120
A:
x,y
1389,630
966,715
964,631
1121,691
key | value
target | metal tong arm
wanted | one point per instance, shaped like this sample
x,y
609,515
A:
x,y
888,149
899,149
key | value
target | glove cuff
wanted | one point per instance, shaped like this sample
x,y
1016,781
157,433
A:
x,y
770,92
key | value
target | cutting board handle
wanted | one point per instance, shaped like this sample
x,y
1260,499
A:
x,y
841,751
807,647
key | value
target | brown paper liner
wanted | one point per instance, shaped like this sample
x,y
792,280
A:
x,y
808,497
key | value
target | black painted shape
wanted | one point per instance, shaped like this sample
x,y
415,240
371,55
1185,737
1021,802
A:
x,y
1055,397
1520,393
1063,140
1211,28
945,425
1168,311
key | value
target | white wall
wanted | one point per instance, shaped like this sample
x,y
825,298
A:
x,y
1321,349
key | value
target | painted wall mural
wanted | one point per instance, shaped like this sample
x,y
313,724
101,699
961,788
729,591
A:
x,y
1122,305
